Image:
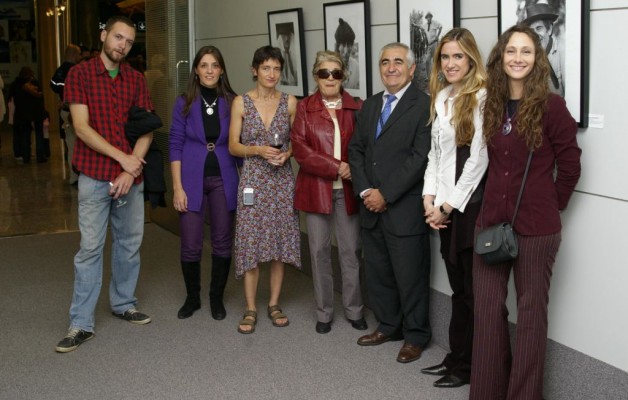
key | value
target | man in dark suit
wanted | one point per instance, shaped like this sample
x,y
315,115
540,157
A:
x,y
388,156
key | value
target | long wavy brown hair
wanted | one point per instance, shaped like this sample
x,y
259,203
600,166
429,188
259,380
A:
x,y
536,92
194,87
474,80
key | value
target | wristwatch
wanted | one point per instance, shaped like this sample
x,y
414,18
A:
x,y
443,211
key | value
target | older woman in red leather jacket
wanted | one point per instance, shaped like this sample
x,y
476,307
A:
x,y
320,136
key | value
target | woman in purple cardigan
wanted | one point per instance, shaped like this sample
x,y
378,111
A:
x,y
520,115
204,177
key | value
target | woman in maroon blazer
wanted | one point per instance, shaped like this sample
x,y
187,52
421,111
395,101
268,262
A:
x,y
520,115
320,136
204,176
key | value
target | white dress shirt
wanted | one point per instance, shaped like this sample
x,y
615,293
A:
x,y
440,175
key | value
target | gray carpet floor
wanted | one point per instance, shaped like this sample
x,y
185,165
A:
x,y
196,358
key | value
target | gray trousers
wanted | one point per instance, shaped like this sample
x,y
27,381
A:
x,y
319,228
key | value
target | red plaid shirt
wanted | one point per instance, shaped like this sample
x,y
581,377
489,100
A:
x,y
109,101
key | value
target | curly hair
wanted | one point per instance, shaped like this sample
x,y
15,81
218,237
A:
x,y
474,80
536,92
194,87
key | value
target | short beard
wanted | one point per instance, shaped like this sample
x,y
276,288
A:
x,y
109,55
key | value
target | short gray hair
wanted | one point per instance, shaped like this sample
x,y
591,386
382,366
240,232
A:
x,y
410,59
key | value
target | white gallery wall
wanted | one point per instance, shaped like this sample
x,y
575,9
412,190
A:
x,y
589,294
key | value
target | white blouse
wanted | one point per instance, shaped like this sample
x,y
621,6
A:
x,y
440,175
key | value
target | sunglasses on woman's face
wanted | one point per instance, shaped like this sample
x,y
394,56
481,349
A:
x,y
325,74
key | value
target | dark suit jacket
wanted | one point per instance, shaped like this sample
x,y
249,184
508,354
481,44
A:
x,y
394,163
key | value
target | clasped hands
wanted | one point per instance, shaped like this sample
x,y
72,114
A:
x,y
274,156
433,216
374,201
132,164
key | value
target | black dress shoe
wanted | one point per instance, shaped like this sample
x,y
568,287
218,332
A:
x,y
359,324
323,327
440,370
450,381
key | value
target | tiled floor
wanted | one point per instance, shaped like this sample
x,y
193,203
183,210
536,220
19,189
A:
x,y
34,198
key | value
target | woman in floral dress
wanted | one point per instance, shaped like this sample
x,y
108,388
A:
x,y
267,229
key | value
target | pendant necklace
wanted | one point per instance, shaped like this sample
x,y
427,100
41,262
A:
x,y
332,104
210,107
507,125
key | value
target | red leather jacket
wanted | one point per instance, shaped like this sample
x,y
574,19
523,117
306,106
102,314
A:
x,y
312,138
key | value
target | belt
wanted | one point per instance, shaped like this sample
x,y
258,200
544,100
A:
x,y
210,146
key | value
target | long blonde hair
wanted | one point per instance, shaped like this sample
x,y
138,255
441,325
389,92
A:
x,y
472,82
536,92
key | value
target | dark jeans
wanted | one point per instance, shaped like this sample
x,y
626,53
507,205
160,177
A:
x,y
22,140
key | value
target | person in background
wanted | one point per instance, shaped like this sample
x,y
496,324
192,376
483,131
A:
x,y
29,112
452,192
345,41
204,177
109,169
3,106
267,225
521,115
433,30
541,18
320,135
388,156
71,57
285,42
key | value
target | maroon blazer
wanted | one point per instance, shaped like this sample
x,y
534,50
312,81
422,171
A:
x,y
312,138
544,195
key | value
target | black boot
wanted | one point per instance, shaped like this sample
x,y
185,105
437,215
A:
x,y
192,279
220,273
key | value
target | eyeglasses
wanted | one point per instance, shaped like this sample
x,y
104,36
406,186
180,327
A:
x,y
325,74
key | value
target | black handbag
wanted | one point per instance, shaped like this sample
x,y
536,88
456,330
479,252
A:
x,y
498,243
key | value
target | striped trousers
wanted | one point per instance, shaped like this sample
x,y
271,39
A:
x,y
499,373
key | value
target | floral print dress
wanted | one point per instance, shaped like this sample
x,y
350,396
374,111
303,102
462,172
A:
x,y
269,229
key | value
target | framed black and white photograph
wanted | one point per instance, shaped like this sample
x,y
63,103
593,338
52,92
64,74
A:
x,y
420,25
285,31
562,26
347,31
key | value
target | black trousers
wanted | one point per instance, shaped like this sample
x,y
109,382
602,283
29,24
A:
x,y
397,270
459,272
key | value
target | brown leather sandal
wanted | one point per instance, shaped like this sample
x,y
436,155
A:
x,y
274,313
249,319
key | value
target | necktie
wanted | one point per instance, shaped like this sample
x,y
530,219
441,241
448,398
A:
x,y
385,114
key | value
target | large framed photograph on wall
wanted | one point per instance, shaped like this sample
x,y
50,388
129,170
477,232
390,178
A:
x,y
420,25
347,31
285,31
563,28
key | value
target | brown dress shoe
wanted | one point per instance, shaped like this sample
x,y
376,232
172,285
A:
x,y
409,353
375,338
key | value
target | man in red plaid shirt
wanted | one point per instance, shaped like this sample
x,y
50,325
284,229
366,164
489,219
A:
x,y
100,93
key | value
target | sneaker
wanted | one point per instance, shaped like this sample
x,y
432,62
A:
x,y
73,339
134,316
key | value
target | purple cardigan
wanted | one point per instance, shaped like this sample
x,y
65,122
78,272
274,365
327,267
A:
x,y
544,194
188,145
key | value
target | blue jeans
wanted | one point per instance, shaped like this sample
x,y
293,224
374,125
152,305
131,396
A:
x,y
96,209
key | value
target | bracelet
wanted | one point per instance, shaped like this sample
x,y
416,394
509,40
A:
x,y
443,211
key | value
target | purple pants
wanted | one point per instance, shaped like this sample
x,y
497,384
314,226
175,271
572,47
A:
x,y
220,219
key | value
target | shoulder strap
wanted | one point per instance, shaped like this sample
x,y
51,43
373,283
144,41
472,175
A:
x,y
523,182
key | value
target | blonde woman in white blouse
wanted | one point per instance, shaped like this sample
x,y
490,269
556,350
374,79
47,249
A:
x,y
452,192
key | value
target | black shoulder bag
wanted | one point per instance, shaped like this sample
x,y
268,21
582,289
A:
x,y
498,243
